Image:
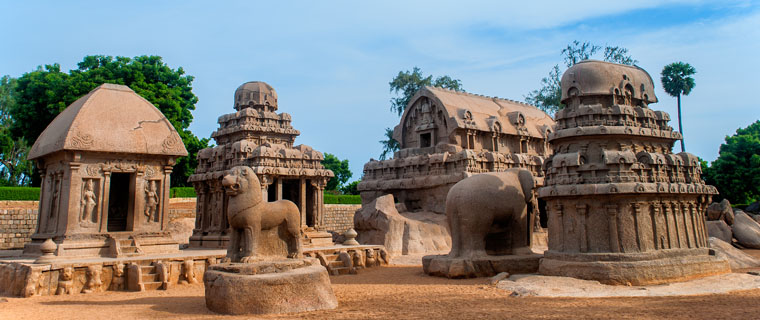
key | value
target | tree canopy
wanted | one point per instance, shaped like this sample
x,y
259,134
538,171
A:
x,y
547,98
339,168
42,94
405,85
736,171
16,170
676,80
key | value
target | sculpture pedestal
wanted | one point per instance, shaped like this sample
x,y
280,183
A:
x,y
265,287
486,266
636,269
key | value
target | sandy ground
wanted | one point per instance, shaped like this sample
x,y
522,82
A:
x,y
395,292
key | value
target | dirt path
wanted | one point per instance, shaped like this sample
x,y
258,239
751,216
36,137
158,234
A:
x,y
393,293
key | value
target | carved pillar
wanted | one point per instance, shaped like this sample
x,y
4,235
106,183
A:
x,y
556,225
106,191
279,188
612,212
637,219
686,224
668,225
265,182
165,196
582,210
302,198
42,217
199,204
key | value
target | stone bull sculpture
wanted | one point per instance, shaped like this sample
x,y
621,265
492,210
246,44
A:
x,y
488,202
248,214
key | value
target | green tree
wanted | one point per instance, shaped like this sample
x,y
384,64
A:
x,y
736,171
548,97
351,188
676,80
339,168
405,85
42,94
16,170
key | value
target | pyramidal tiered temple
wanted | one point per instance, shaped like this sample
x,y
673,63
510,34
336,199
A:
x,y
258,137
623,208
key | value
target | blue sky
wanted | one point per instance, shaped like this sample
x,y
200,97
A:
x,y
331,61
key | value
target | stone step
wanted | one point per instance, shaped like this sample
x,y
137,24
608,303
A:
x,y
152,285
148,269
339,271
149,277
128,249
335,264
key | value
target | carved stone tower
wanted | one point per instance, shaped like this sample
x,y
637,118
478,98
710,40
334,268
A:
x,y
258,137
623,209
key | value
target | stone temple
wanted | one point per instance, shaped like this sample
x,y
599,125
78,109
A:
x,y
105,178
623,208
446,136
258,137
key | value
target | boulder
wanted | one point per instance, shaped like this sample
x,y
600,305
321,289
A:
x,y
380,223
736,258
753,207
721,211
719,229
746,231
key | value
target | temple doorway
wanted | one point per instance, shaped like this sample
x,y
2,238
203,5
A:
x,y
119,206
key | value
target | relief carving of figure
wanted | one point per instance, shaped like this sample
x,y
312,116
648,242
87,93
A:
x,y
94,282
151,201
89,202
66,282
117,283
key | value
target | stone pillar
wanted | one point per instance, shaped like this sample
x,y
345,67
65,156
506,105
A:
x,y
582,210
302,200
265,182
106,191
279,188
556,226
42,217
613,227
165,196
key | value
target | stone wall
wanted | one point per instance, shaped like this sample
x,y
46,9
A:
x,y
18,219
339,217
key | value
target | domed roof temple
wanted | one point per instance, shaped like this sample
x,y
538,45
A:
x,y
105,163
623,208
446,136
258,137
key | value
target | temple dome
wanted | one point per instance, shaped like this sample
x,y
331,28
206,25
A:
x,y
593,78
111,118
256,94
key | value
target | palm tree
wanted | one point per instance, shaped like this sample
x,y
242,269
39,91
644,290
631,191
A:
x,y
676,80
390,145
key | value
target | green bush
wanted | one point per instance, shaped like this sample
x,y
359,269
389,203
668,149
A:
x,y
19,193
342,199
182,192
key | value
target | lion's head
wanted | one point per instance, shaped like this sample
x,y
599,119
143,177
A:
x,y
239,180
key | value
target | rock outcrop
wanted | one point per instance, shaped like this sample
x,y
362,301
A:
x,y
721,211
736,258
401,233
719,229
746,231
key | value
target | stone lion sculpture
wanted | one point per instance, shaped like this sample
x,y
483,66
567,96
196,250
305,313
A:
x,y
478,205
248,213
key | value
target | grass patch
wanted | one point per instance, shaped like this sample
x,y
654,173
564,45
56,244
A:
x,y
342,199
20,193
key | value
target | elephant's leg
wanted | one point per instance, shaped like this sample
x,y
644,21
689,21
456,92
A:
x,y
295,249
233,250
455,230
473,237
521,231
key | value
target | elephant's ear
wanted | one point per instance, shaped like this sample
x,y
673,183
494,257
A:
x,y
527,183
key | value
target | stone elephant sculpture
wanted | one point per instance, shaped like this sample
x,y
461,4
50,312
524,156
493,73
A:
x,y
491,203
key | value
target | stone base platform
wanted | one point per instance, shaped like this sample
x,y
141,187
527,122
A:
x,y
663,266
443,266
20,276
267,287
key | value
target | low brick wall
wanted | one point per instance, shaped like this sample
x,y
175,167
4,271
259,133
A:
x,y
18,220
340,217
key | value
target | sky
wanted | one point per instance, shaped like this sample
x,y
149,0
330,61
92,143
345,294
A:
x,y
331,61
